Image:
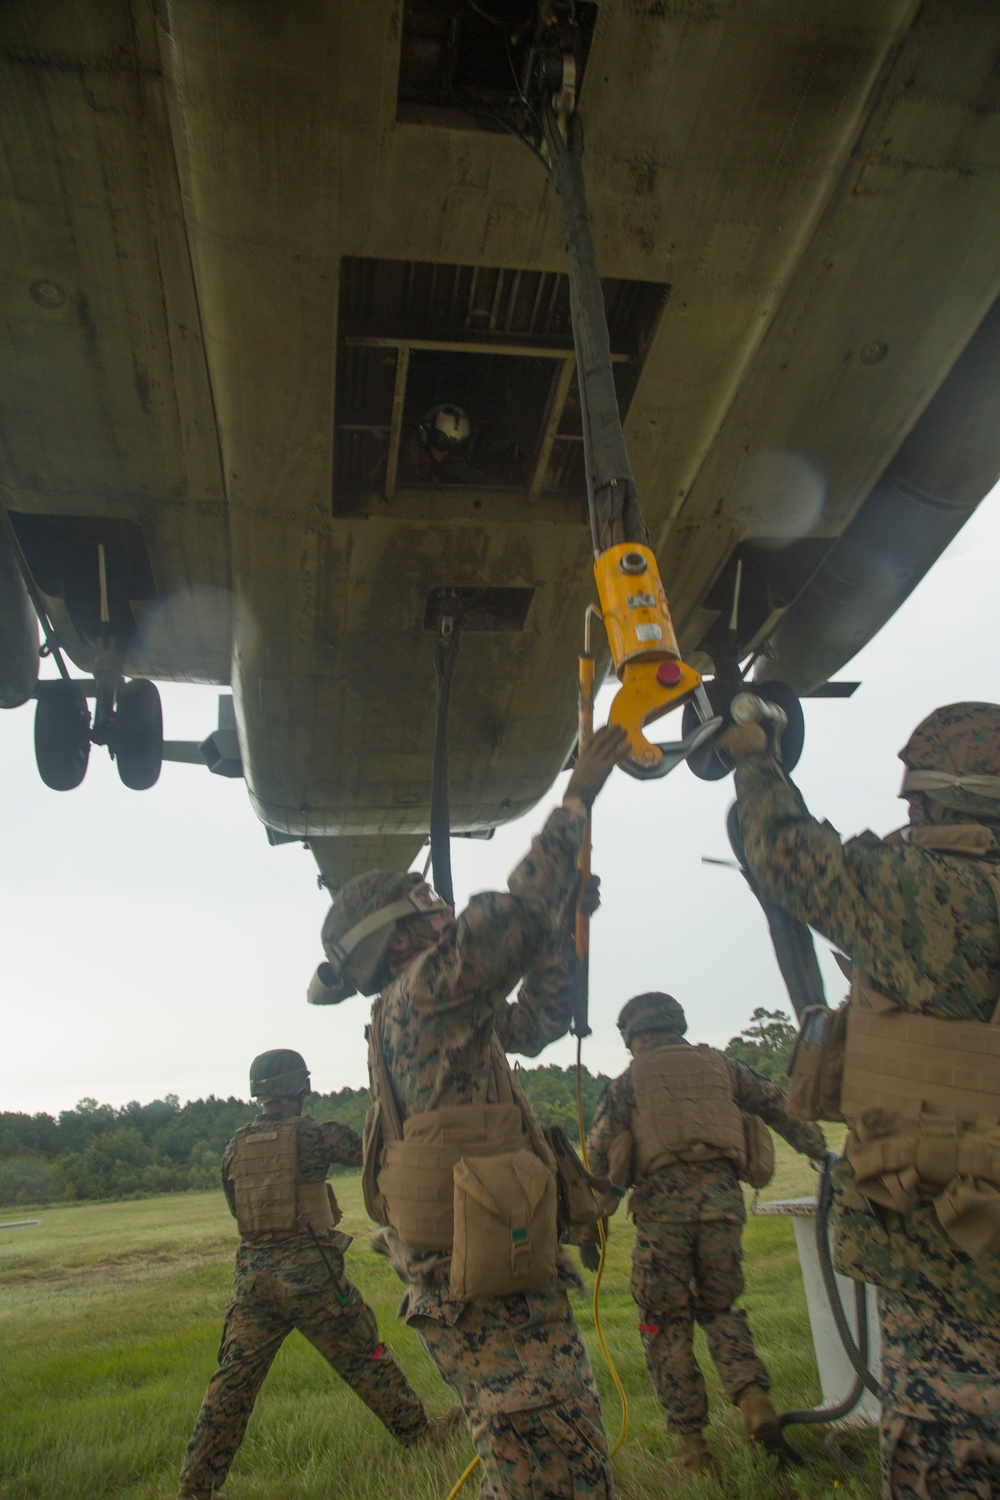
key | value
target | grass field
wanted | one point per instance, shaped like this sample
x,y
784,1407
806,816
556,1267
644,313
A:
x,y
110,1317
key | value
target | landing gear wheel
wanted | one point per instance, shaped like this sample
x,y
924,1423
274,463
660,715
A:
x,y
704,761
707,765
62,734
794,736
138,735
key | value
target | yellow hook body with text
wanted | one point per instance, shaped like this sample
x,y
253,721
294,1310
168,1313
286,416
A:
x,y
644,648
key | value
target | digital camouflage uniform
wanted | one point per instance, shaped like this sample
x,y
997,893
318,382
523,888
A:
x,y
284,1282
687,1259
516,1363
924,926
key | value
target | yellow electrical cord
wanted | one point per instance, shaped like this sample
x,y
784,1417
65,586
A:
x,y
464,1476
600,1268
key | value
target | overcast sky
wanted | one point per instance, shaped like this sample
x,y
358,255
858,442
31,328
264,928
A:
x,y
153,942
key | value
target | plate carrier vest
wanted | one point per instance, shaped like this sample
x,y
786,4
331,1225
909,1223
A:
x,y
477,1182
920,1094
271,1197
685,1110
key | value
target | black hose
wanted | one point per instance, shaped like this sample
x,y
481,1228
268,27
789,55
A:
x,y
857,1353
445,657
836,1452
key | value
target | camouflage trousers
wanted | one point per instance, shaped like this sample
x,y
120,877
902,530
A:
x,y
684,1272
278,1288
519,1367
940,1436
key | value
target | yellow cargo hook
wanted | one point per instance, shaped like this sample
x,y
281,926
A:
x,y
647,660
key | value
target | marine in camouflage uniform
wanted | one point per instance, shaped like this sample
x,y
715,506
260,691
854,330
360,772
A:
x,y
517,1363
286,1281
923,924
687,1259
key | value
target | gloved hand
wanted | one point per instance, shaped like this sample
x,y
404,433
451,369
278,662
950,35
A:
x,y
742,739
596,763
590,895
590,1257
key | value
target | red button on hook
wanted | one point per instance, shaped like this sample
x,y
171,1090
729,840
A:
x,y
669,673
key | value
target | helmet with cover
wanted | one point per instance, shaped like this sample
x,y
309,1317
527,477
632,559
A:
x,y
953,759
279,1074
652,1011
358,927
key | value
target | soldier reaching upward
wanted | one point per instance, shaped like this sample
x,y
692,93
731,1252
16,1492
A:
x,y
917,1193
674,1123
457,1170
290,1274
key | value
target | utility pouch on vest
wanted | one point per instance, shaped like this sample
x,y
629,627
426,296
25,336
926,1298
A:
x,y
416,1181
921,1095
578,1190
760,1152
817,1066
505,1225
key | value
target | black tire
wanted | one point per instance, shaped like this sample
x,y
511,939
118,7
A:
x,y
794,737
62,734
138,737
705,763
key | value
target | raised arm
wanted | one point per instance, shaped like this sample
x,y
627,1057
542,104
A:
x,y
759,1096
341,1144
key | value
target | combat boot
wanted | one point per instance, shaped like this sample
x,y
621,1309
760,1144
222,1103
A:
x,y
696,1456
441,1430
760,1420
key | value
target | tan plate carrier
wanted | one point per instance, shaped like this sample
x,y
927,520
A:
x,y
685,1112
921,1095
270,1196
478,1181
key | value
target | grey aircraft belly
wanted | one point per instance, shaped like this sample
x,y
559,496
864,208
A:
x,y
247,246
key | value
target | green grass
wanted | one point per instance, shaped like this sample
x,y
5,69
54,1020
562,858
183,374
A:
x,y
110,1317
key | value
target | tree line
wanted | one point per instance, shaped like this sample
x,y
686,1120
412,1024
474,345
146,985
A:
x,y
96,1151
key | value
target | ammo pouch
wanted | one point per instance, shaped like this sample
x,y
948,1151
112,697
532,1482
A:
x,y
759,1167
817,1066
579,1191
922,1097
416,1182
504,1225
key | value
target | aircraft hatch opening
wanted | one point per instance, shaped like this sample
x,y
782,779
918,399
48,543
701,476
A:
x,y
495,342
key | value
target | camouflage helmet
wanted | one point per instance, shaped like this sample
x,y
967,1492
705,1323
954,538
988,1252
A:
x,y
279,1074
652,1011
953,758
358,927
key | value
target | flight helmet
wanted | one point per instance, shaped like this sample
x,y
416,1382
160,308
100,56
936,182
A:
x,y
445,428
953,758
652,1011
358,927
279,1074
